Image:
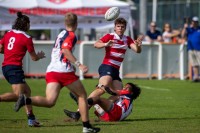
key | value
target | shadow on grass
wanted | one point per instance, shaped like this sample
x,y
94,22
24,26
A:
x,y
154,119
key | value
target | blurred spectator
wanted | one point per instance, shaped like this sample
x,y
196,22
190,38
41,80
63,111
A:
x,y
43,36
169,35
193,45
153,34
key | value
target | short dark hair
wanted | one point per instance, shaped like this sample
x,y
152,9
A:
x,y
21,22
135,89
121,21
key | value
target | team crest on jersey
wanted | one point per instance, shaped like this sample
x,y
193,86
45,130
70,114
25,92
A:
x,y
57,1
65,44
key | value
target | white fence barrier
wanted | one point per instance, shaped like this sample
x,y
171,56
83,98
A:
x,y
156,61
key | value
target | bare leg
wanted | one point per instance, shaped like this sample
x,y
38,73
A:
x,y
105,104
196,72
78,89
106,81
9,97
52,93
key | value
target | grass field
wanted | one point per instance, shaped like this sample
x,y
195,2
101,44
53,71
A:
x,y
167,106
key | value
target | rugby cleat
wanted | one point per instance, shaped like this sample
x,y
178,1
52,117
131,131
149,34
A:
x,y
20,102
32,122
74,115
91,130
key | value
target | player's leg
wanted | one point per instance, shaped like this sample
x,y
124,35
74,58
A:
x,y
117,85
104,80
52,93
104,103
78,89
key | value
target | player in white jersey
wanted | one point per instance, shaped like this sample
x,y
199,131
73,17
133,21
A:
x,y
116,108
116,45
60,73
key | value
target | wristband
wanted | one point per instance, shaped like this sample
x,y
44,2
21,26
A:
x,y
77,63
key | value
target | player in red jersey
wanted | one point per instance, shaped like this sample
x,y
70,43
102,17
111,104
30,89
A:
x,y
116,45
61,73
14,45
115,108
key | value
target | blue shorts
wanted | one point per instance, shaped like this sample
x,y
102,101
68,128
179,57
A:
x,y
14,74
109,70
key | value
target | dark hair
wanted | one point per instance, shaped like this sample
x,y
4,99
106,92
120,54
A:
x,y
135,89
121,21
21,22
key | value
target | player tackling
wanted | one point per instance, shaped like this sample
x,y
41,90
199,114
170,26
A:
x,y
116,45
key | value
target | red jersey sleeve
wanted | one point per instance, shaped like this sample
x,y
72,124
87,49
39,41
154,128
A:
x,y
29,45
106,38
68,42
124,92
129,41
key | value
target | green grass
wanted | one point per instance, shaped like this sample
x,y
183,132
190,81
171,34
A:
x,y
167,106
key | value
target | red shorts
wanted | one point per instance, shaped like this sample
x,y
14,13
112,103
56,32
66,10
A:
x,y
113,115
61,78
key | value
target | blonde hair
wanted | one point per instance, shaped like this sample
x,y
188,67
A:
x,y
71,19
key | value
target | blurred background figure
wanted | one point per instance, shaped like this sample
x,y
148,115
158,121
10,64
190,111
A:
x,y
153,34
192,32
43,36
169,35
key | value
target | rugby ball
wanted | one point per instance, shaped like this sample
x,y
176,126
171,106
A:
x,y
112,13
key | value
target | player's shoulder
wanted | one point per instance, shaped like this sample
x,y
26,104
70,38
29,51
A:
x,y
65,33
109,35
21,33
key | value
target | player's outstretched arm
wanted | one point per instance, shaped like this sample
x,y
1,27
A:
x,y
136,46
38,56
99,44
68,54
1,48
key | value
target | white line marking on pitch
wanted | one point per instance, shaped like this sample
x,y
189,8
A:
x,y
151,88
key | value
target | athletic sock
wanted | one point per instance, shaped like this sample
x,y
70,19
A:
x,y
86,124
30,113
28,101
90,101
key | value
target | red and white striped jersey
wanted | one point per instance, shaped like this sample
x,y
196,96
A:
x,y
115,54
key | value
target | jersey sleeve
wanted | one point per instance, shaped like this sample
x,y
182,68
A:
x,y
68,42
129,41
30,46
106,38
124,92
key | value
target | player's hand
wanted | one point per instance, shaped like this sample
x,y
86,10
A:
x,y
109,43
83,68
138,42
41,55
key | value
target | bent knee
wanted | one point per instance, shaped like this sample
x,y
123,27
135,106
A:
x,y
50,104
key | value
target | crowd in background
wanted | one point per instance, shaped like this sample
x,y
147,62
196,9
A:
x,y
167,35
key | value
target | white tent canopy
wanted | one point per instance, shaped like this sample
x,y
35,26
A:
x,y
49,14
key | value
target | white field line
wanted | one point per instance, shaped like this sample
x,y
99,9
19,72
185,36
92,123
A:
x,y
151,88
